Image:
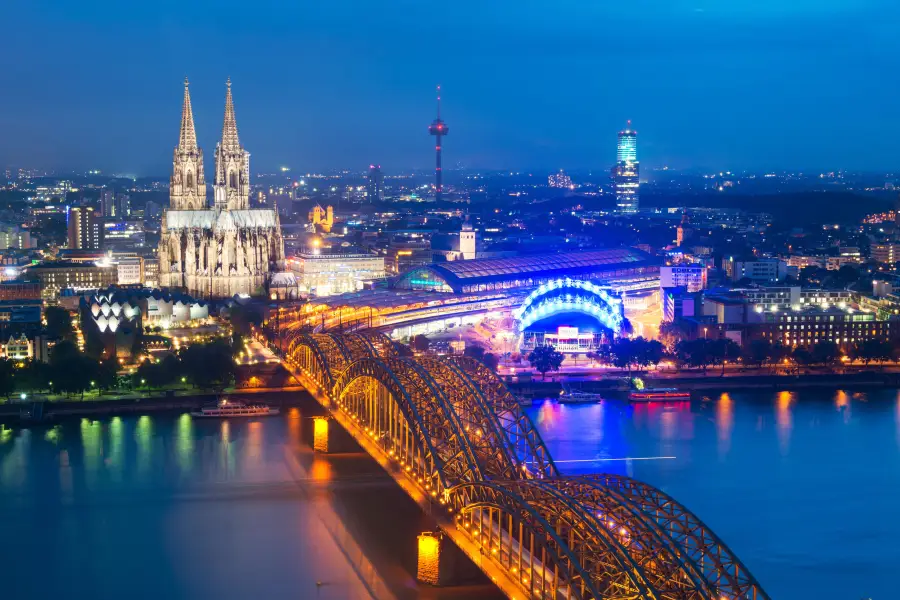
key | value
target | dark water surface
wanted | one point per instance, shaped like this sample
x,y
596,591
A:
x,y
172,507
802,486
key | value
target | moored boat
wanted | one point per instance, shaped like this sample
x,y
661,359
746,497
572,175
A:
x,y
234,408
658,394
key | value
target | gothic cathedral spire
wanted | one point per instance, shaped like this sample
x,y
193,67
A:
x,y
232,185
187,188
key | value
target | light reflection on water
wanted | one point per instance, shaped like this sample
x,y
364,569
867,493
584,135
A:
x,y
801,485
163,494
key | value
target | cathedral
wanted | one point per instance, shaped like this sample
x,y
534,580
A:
x,y
220,250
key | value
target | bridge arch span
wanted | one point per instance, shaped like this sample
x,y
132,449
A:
x,y
402,408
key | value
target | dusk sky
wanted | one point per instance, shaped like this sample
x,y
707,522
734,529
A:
x,y
722,84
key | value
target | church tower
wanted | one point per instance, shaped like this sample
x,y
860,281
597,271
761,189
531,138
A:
x,y
232,184
187,188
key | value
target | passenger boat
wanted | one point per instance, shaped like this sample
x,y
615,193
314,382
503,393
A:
x,y
657,394
233,408
575,396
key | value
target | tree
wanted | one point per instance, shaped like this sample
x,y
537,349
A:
x,y
107,374
694,353
757,352
802,356
7,379
825,353
420,343
491,361
71,371
724,350
672,333
244,318
403,350
872,350
641,353
545,358
474,351
206,365
59,323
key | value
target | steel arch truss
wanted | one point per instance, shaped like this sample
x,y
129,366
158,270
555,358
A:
x,y
715,561
575,537
399,405
520,432
456,431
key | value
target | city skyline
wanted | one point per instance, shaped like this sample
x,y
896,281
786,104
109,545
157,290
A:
x,y
339,86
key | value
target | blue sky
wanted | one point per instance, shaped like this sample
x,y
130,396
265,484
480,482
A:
x,y
527,84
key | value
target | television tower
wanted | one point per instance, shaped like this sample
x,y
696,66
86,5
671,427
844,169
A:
x,y
438,129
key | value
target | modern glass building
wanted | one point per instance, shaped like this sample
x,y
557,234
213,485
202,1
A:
x,y
522,272
627,172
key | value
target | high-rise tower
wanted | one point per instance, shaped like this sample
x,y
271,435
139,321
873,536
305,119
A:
x,y
375,184
627,172
232,184
438,129
187,187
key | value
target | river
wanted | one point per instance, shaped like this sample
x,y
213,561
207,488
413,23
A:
x,y
800,485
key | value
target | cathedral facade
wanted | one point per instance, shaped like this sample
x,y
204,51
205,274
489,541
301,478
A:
x,y
220,250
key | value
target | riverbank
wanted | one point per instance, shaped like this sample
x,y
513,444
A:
x,y
41,411
711,382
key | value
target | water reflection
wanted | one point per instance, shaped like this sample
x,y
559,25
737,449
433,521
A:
x,y
784,420
773,473
144,437
184,444
724,424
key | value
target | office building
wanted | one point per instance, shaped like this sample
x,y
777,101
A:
x,y
329,274
14,237
17,289
85,228
560,180
375,184
691,277
57,276
812,324
129,270
627,172
762,269
888,254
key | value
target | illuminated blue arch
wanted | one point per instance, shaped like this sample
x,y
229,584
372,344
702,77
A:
x,y
570,295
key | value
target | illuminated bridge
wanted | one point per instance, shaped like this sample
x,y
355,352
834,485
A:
x,y
453,436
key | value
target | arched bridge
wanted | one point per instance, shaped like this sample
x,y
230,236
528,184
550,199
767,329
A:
x,y
454,437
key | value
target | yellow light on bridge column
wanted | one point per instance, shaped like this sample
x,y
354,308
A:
x,y
320,434
428,568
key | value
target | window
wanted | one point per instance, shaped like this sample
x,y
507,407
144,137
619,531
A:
x,y
232,180
190,180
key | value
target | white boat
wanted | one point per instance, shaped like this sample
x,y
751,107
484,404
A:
x,y
576,396
233,408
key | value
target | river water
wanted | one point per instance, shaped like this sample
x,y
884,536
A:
x,y
802,486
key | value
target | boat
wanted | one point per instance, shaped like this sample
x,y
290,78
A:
x,y
657,394
233,408
576,396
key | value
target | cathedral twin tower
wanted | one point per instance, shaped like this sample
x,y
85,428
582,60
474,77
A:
x,y
220,250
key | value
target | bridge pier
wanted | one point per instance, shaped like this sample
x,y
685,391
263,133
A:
x,y
440,563
328,437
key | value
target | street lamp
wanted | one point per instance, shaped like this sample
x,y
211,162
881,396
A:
x,y
704,333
